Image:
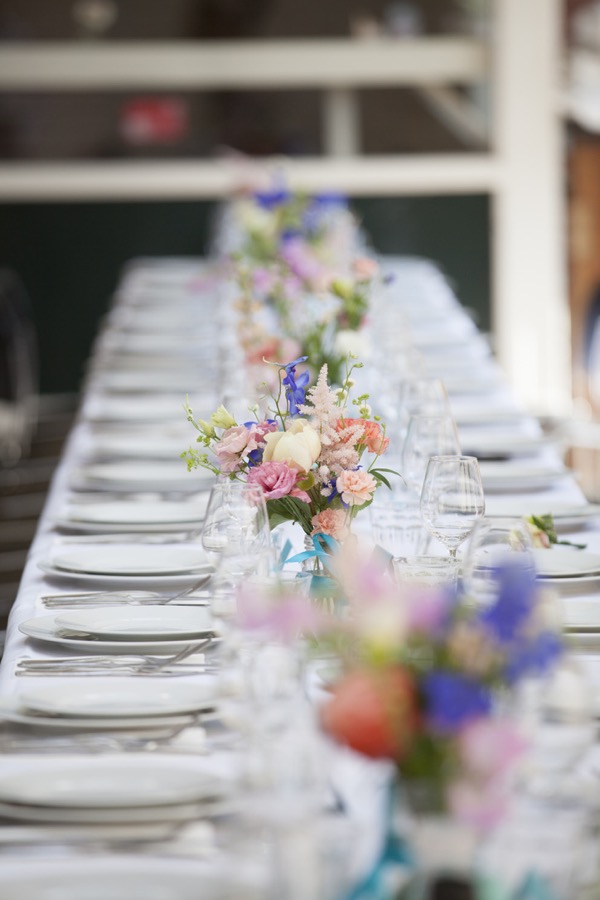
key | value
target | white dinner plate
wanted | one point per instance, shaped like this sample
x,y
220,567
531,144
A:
x,y
581,615
102,783
132,446
164,512
139,623
133,559
141,475
136,409
110,698
125,582
45,629
564,514
509,446
139,516
110,878
11,710
556,564
512,476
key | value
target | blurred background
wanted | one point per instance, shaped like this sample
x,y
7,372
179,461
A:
x,y
462,130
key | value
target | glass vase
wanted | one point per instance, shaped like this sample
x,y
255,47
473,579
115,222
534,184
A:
x,y
443,850
321,584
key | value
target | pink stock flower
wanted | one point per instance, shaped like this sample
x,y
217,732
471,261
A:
x,y
364,268
490,747
230,448
277,480
356,486
480,806
281,617
263,280
256,434
333,522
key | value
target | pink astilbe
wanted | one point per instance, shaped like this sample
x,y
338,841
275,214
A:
x,y
338,447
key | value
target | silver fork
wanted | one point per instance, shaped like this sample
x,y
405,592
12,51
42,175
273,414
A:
x,y
137,664
113,598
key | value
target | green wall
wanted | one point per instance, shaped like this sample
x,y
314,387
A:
x,y
69,257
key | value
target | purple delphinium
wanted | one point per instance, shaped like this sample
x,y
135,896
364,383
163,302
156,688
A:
x,y
452,700
295,389
533,656
513,605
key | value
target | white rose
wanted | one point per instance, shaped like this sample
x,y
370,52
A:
x,y
299,446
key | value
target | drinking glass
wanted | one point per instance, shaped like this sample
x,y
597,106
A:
x,y
422,397
426,436
495,544
452,499
236,534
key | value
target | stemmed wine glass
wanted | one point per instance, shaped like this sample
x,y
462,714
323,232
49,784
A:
x,y
236,533
452,499
427,436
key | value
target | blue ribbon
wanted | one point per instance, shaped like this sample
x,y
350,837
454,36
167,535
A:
x,y
318,550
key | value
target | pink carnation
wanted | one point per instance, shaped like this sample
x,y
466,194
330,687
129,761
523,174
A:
x,y
333,522
277,480
356,486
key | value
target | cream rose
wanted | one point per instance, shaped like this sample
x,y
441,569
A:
x,y
299,446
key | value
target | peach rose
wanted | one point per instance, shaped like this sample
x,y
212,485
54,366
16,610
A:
x,y
356,486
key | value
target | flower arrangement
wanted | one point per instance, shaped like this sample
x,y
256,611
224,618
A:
x,y
423,676
298,258
316,465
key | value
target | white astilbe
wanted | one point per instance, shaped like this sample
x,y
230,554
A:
x,y
338,445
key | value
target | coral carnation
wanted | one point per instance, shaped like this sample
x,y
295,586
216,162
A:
x,y
331,521
356,487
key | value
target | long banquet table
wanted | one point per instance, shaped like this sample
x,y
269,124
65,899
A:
x,y
154,347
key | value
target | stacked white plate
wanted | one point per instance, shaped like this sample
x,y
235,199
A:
x,y
108,789
122,516
130,565
141,475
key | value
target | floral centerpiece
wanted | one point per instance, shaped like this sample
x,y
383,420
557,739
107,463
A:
x,y
425,674
317,465
298,260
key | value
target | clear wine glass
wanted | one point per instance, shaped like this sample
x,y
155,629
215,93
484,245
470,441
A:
x,y
452,499
426,436
236,533
494,545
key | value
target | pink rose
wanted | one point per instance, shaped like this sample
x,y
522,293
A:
x,y
333,522
277,480
364,268
356,486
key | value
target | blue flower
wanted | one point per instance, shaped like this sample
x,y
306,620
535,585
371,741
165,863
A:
x,y
295,390
513,605
533,656
271,199
453,700
288,234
